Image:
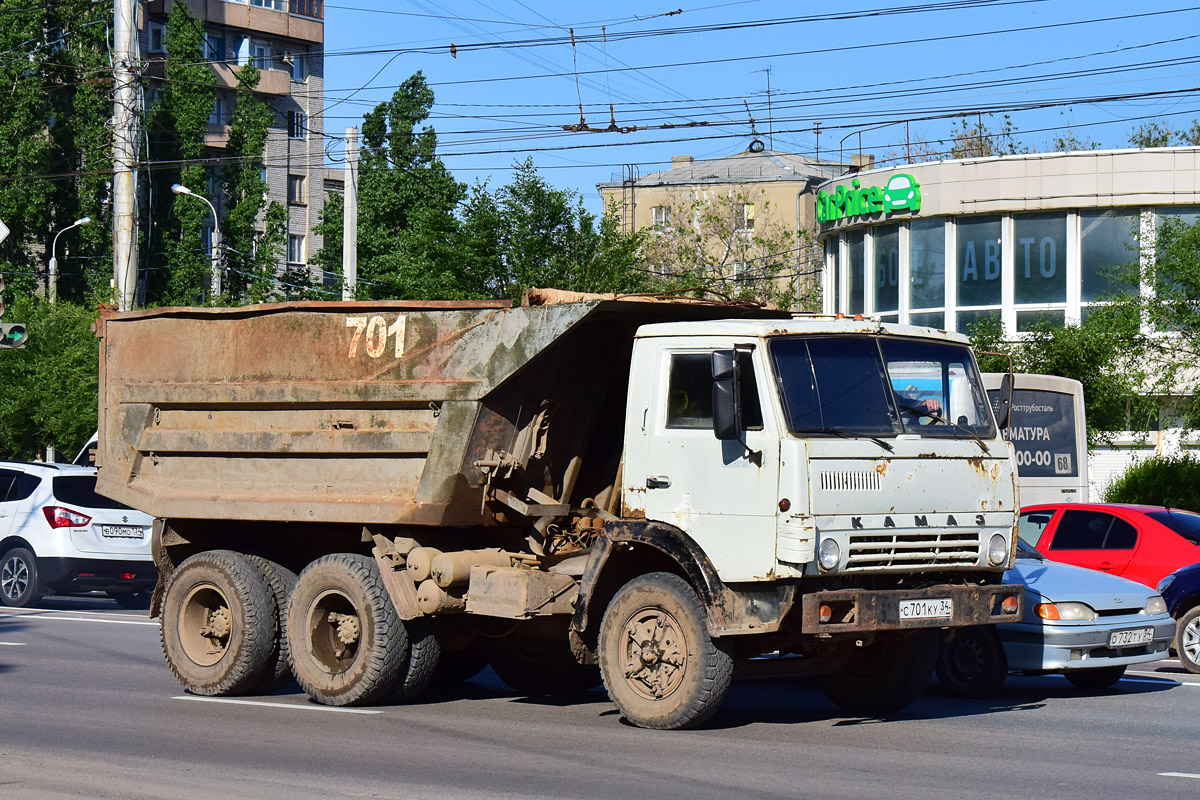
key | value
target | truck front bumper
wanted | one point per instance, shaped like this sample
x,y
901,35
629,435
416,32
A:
x,y
864,610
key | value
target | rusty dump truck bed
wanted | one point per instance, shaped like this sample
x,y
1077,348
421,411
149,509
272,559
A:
x,y
366,412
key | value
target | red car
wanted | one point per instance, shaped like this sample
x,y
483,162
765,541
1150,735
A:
x,y
1140,543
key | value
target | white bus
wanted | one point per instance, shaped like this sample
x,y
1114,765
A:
x,y
1048,429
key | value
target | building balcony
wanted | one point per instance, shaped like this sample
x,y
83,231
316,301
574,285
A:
x,y
291,19
275,82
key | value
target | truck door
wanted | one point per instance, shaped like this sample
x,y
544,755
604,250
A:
x,y
713,490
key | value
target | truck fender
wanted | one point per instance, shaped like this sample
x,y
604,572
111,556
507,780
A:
x,y
731,609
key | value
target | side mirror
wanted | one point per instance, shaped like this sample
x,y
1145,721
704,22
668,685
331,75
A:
x,y
727,396
1004,401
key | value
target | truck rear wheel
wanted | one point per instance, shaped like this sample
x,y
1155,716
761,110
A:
x,y
347,644
219,624
424,655
660,665
536,666
281,581
886,675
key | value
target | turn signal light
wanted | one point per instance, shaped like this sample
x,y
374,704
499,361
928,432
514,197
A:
x,y
825,614
1010,604
1046,611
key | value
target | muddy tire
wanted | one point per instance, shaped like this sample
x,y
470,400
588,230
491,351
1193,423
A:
x,y
541,666
219,624
281,582
347,644
424,654
886,675
972,664
660,665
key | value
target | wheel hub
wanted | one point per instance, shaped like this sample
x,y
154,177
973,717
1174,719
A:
x,y
655,653
1191,640
205,624
14,578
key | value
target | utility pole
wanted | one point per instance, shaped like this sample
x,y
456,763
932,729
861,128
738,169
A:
x,y
350,218
125,137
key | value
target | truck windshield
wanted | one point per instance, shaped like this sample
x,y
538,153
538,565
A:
x,y
865,386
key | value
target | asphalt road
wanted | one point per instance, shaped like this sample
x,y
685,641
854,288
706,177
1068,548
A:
x,y
88,709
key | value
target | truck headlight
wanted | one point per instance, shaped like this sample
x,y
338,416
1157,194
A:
x,y
997,550
829,554
1156,605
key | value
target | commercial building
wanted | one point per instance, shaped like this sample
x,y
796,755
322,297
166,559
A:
x,y
284,39
1015,238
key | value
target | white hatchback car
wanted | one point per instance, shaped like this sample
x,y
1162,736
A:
x,y
57,536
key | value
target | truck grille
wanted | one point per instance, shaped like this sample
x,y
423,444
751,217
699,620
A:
x,y
905,550
846,481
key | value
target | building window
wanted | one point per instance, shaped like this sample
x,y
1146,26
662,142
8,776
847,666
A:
x,y
295,253
1109,250
214,47
157,33
220,111
1040,258
856,263
297,190
660,216
297,125
745,218
979,261
927,263
276,5
260,55
887,268
297,65
307,8
835,271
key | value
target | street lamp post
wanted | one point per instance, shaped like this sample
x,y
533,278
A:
x,y
215,284
52,277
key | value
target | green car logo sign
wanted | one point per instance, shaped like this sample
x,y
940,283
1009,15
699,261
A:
x,y
902,192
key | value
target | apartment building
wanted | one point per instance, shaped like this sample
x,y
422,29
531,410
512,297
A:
x,y
284,39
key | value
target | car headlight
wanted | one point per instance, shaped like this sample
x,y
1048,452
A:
x,y
1164,583
1071,612
997,550
1156,605
829,554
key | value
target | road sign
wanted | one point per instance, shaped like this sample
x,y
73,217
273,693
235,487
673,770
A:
x,y
12,335
3,231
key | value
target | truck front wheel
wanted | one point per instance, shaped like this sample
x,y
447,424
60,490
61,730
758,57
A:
x,y
347,644
219,624
886,675
660,665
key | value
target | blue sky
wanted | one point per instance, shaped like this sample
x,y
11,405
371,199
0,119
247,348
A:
x,y
862,75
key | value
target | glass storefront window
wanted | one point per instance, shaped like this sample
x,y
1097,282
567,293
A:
x,y
1028,320
927,263
968,319
932,320
1109,252
978,261
887,268
831,248
856,255
1040,258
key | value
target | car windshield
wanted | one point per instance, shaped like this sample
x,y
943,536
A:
x,y
871,387
80,490
1185,523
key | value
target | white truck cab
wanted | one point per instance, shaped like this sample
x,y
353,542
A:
x,y
863,447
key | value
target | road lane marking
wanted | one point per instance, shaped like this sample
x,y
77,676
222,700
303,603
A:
x,y
233,701
42,616
1179,775
12,644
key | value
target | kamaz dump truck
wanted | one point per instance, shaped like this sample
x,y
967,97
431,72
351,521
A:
x,y
374,496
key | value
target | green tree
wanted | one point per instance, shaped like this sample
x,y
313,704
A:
x,y
178,267
50,387
978,137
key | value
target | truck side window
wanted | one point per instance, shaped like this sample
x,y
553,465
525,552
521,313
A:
x,y
690,390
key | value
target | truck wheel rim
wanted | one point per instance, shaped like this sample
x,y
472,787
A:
x,y
334,631
965,659
653,653
205,624
14,578
1191,640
